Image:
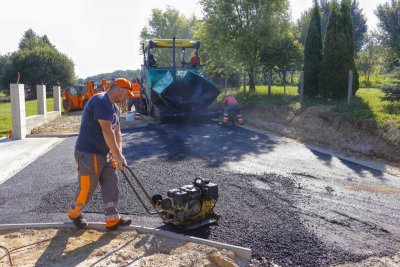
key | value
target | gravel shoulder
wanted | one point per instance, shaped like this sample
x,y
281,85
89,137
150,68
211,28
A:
x,y
315,125
70,247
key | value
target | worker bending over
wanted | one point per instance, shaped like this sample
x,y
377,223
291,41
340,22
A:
x,y
99,135
232,109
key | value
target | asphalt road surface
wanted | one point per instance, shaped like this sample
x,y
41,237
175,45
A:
x,y
287,202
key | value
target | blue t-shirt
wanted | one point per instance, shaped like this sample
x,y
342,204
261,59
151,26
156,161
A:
x,y
90,137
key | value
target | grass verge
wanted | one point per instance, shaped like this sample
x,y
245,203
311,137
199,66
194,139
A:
x,y
368,103
30,109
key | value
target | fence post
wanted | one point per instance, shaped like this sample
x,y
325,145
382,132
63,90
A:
x,y
18,111
350,87
301,86
57,98
41,99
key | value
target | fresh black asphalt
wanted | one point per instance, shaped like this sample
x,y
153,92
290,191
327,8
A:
x,y
293,217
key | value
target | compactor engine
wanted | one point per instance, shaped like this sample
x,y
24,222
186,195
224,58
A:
x,y
190,205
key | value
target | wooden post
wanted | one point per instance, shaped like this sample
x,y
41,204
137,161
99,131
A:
x,y
301,86
350,87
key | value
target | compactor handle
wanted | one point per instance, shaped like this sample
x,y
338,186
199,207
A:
x,y
132,174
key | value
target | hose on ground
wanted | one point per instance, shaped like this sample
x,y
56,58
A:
x,y
15,249
7,254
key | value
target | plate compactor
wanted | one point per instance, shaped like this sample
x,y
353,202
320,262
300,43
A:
x,y
188,208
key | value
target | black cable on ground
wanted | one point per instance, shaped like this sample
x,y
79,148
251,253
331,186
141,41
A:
x,y
7,254
15,249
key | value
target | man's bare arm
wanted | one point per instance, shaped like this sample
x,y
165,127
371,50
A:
x,y
118,136
110,137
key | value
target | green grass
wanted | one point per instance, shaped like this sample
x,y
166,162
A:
x,y
377,80
369,103
261,97
30,109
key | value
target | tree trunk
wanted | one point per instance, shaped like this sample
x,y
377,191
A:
x,y
291,76
264,77
225,82
252,84
269,82
284,82
244,83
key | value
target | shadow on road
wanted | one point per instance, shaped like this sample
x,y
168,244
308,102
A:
x,y
179,141
355,167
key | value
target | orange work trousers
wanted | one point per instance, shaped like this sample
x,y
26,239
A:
x,y
93,169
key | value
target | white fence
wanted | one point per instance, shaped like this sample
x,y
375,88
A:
x,y
21,125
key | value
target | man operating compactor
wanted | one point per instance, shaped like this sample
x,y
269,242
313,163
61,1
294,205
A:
x,y
99,139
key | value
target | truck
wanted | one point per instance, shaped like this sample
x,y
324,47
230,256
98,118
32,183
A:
x,y
177,87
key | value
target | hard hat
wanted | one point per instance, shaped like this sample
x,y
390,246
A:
x,y
124,83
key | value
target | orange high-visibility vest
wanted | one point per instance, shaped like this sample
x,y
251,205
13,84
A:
x,y
136,90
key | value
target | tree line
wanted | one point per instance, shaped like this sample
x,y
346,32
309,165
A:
x,y
258,38
38,62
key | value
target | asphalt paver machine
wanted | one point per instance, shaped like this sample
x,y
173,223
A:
x,y
175,87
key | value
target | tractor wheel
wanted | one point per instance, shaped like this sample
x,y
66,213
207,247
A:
x,y
67,104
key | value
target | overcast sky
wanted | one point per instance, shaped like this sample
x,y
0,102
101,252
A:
x,y
103,35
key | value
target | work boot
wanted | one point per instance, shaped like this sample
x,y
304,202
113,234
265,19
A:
x,y
122,222
79,222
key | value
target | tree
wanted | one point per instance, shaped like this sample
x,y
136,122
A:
x,y
332,72
245,25
4,62
359,22
166,25
346,28
31,40
338,53
369,59
38,62
40,65
389,26
288,53
302,26
359,25
128,74
217,57
313,54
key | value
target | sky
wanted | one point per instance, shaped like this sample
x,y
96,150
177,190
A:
x,y
102,36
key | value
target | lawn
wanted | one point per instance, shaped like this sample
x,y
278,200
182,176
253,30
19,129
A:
x,y
369,103
30,109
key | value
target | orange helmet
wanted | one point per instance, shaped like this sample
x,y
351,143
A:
x,y
124,83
